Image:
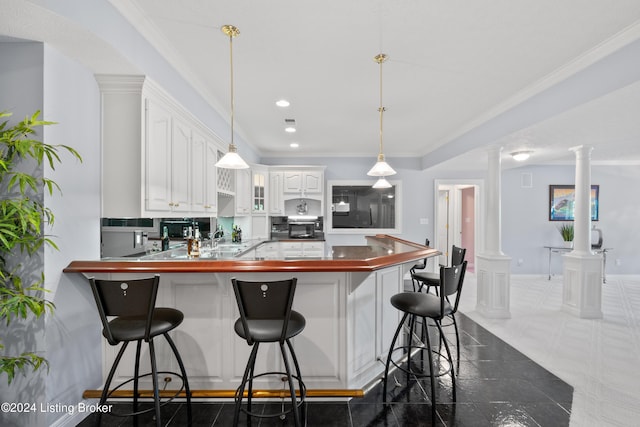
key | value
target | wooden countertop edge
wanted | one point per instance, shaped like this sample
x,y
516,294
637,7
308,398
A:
x,y
257,266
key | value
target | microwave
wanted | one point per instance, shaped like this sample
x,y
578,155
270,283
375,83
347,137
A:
x,y
302,230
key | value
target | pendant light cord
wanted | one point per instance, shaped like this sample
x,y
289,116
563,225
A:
x,y
381,109
231,34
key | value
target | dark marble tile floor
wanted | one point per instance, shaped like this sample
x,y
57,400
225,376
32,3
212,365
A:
x,y
496,385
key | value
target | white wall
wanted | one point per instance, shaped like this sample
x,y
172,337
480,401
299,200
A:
x,y
21,94
73,338
36,77
527,229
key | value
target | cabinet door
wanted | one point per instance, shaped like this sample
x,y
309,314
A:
x,y
259,190
276,200
180,166
243,191
198,176
313,249
293,182
312,182
291,249
211,184
158,158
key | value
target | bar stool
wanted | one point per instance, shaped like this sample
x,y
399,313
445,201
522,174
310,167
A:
x,y
132,304
418,266
428,279
266,317
427,306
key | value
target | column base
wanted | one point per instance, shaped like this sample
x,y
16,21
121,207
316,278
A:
x,y
494,283
582,285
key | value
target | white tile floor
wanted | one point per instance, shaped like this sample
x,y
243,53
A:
x,y
599,358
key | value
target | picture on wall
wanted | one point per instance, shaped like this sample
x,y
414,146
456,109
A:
x,y
562,202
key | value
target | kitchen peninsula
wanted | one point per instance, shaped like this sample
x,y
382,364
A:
x,y
344,297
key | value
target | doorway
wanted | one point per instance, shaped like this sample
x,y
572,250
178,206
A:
x,y
458,218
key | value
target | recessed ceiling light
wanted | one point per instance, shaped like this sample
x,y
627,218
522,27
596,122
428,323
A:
x,y
283,103
290,129
294,145
521,156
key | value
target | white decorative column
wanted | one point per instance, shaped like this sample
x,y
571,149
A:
x,y
494,267
582,269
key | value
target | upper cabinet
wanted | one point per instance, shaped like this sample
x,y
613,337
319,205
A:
x,y
303,182
243,192
276,194
157,158
259,189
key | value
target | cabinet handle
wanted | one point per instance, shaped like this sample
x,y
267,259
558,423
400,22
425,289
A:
x,y
207,207
170,203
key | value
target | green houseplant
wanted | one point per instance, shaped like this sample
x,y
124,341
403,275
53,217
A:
x,y
23,216
566,231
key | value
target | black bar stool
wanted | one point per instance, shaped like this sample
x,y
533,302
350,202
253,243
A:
x,y
266,316
132,303
418,266
426,306
427,279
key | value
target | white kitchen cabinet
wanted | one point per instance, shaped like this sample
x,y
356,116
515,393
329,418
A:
x,y
259,190
158,158
303,181
198,173
268,250
276,199
152,152
168,162
313,249
291,249
180,166
243,197
211,180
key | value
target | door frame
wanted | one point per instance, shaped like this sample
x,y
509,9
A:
x,y
455,212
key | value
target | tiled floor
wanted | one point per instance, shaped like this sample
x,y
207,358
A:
x,y
496,386
599,358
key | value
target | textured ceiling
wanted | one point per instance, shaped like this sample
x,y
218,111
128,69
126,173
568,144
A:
x,y
544,75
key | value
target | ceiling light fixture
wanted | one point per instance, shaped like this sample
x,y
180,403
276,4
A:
x,y
521,156
282,103
232,159
382,183
294,145
381,168
290,129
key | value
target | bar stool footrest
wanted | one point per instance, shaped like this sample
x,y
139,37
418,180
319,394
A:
x,y
162,402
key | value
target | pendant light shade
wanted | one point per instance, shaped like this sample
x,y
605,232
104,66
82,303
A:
x,y
382,183
232,159
381,168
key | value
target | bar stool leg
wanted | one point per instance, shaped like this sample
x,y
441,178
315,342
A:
x,y
154,378
184,376
431,375
240,391
292,390
301,386
107,384
386,368
455,326
136,376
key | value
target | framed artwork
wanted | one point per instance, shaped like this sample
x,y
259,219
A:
x,y
562,201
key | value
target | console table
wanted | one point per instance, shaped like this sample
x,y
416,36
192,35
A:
x,y
562,249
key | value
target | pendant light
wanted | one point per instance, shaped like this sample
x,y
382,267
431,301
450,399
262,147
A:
x,y
232,159
381,168
382,183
